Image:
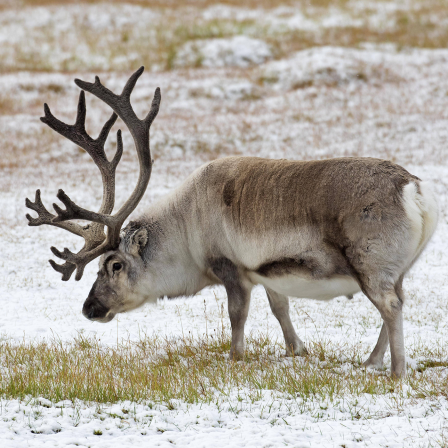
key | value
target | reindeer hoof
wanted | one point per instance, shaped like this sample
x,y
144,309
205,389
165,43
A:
x,y
297,349
371,364
302,351
236,355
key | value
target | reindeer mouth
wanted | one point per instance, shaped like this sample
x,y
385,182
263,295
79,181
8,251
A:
x,y
109,316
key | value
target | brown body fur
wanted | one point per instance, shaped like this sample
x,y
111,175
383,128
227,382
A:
x,y
338,209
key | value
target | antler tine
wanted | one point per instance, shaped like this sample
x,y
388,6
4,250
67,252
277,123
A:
x,y
65,269
81,115
129,87
89,252
152,114
77,132
102,137
121,104
97,89
76,261
45,217
119,151
93,236
74,211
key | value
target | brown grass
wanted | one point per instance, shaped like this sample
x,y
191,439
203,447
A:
x,y
7,105
173,4
412,30
195,371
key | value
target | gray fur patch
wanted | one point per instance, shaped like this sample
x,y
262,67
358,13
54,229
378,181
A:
x,y
154,232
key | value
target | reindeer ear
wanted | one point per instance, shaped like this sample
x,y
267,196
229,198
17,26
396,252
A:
x,y
138,242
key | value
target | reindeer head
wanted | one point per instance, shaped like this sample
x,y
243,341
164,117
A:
x,y
114,289
120,285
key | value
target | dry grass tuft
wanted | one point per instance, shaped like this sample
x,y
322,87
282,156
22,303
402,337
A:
x,y
196,371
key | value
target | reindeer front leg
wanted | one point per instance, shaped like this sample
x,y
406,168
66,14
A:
x,y
280,308
238,296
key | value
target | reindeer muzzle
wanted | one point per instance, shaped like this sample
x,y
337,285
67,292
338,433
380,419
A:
x,y
94,310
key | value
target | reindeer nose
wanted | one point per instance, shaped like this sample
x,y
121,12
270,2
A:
x,y
94,309
87,309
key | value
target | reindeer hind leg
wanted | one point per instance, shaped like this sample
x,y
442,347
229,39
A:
x,y
390,305
375,359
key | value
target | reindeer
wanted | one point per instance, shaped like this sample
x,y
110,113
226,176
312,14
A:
x,y
307,229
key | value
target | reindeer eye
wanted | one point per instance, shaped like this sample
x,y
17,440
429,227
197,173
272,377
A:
x,y
116,267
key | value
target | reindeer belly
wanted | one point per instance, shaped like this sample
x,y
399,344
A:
x,y
302,287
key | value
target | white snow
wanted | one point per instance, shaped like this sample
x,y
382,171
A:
x,y
238,51
264,424
337,66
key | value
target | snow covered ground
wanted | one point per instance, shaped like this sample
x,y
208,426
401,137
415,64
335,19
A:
x,y
373,100
395,423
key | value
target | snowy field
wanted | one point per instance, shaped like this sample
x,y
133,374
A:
x,y
240,90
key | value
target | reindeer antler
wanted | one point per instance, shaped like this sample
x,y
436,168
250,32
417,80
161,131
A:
x,y
96,242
